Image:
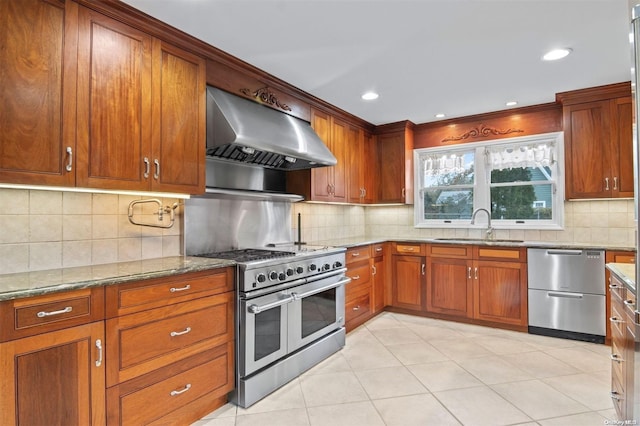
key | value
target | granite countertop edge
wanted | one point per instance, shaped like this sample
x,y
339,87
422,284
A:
x,y
626,272
38,283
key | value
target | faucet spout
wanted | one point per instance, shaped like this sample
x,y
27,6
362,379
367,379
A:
x,y
489,228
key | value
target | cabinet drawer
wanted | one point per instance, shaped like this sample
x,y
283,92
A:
x,y
142,342
377,250
402,248
150,400
617,358
40,314
511,254
135,297
618,397
357,254
617,320
360,277
450,251
359,305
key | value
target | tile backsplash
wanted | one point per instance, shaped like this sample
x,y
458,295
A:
x,y
50,229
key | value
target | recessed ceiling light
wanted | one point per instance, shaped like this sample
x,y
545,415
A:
x,y
556,54
440,115
511,103
369,96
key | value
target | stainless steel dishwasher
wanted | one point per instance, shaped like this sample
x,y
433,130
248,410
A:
x,y
567,293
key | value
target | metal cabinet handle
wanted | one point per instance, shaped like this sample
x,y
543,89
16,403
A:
x,y
469,272
328,188
156,175
616,320
378,249
566,295
356,254
355,277
256,309
475,273
356,308
374,270
615,182
606,184
147,167
175,290
99,346
403,191
630,303
614,286
69,166
424,268
43,314
183,390
180,333
616,358
615,395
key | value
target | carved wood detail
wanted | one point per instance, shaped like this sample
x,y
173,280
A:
x,y
266,96
482,131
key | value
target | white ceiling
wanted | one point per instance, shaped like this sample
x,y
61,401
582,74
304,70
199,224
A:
x,y
458,57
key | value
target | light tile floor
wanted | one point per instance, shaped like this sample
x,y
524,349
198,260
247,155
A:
x,y
405,370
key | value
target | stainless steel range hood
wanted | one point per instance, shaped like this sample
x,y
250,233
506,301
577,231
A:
x,y
243,131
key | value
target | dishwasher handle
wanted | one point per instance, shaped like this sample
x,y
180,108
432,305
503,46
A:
x,y
566,295
565,252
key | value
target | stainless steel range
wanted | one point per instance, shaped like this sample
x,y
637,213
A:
x,y
290,314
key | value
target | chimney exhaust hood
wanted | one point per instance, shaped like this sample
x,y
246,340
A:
x,y
244,131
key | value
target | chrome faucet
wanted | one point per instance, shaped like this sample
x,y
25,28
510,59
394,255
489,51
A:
x,y
489,228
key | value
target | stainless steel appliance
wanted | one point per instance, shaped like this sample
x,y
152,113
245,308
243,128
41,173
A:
x,y
290,314
567,293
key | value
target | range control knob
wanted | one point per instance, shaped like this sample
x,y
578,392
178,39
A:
x,y
273,275
299,270
313,267
282,276
261,278
337,265
326,267
289,272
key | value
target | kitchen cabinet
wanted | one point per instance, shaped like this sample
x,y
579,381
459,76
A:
x,y
378,277
622,348
597,126
408,276
52,359
37,91
141,111
362,162
449,280
612,256
170,346
359,292
395,153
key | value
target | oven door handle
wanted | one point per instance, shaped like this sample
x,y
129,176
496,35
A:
x,y
256,309
300,296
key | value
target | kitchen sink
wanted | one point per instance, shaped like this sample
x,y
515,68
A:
x,y
483,240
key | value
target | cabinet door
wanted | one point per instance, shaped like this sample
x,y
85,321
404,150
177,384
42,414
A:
x,y
179,116
500,292
355,165
320,176
392,168
114,104
449,286
377,275
588,155
622,147
370,165
408,282
38,42
54,378
339,142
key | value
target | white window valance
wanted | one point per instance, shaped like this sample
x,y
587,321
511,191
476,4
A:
x,y
435,165
521,155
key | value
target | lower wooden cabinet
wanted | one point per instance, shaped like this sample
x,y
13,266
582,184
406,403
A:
x,y
500,292
358,294
55,378
408,269
378,275
612,256
449,286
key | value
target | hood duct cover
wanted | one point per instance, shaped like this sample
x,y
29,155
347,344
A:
x,y
244,131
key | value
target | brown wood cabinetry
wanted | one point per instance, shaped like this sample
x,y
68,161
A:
x,y
408,269
37,91
395,153
358,294
170,347
52,360
598,142
362,166
623,337
613,257
330,183
378,277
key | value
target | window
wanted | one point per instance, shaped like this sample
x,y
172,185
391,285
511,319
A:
x,y
516,179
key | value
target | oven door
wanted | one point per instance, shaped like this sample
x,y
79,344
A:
x,y
263,330
317,309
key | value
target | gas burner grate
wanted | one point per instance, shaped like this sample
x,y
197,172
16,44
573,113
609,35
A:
x,y
248,255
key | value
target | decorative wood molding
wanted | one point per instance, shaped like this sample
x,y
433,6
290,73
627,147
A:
x,y
266,96
481,131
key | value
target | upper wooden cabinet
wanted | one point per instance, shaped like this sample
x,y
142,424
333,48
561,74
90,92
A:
x,y
91,101
598,142
362,173
141,110
37,91
395,153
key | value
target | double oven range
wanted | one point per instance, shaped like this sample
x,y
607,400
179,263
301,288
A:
x,y
289,314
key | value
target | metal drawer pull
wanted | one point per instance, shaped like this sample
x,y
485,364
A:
x,y
174,289
616,320
630,303
475,273
615,182
355,277
99,346
156,175
408,248
378,249
606,184
356,254
180,333
356,308
69,166
616,358
469,272
615,395
43,314
186,388
614,286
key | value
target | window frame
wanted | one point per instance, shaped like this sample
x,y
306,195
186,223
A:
x,y
482,185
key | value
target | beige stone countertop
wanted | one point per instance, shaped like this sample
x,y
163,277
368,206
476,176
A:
x,y
28,284
626,272
359,241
